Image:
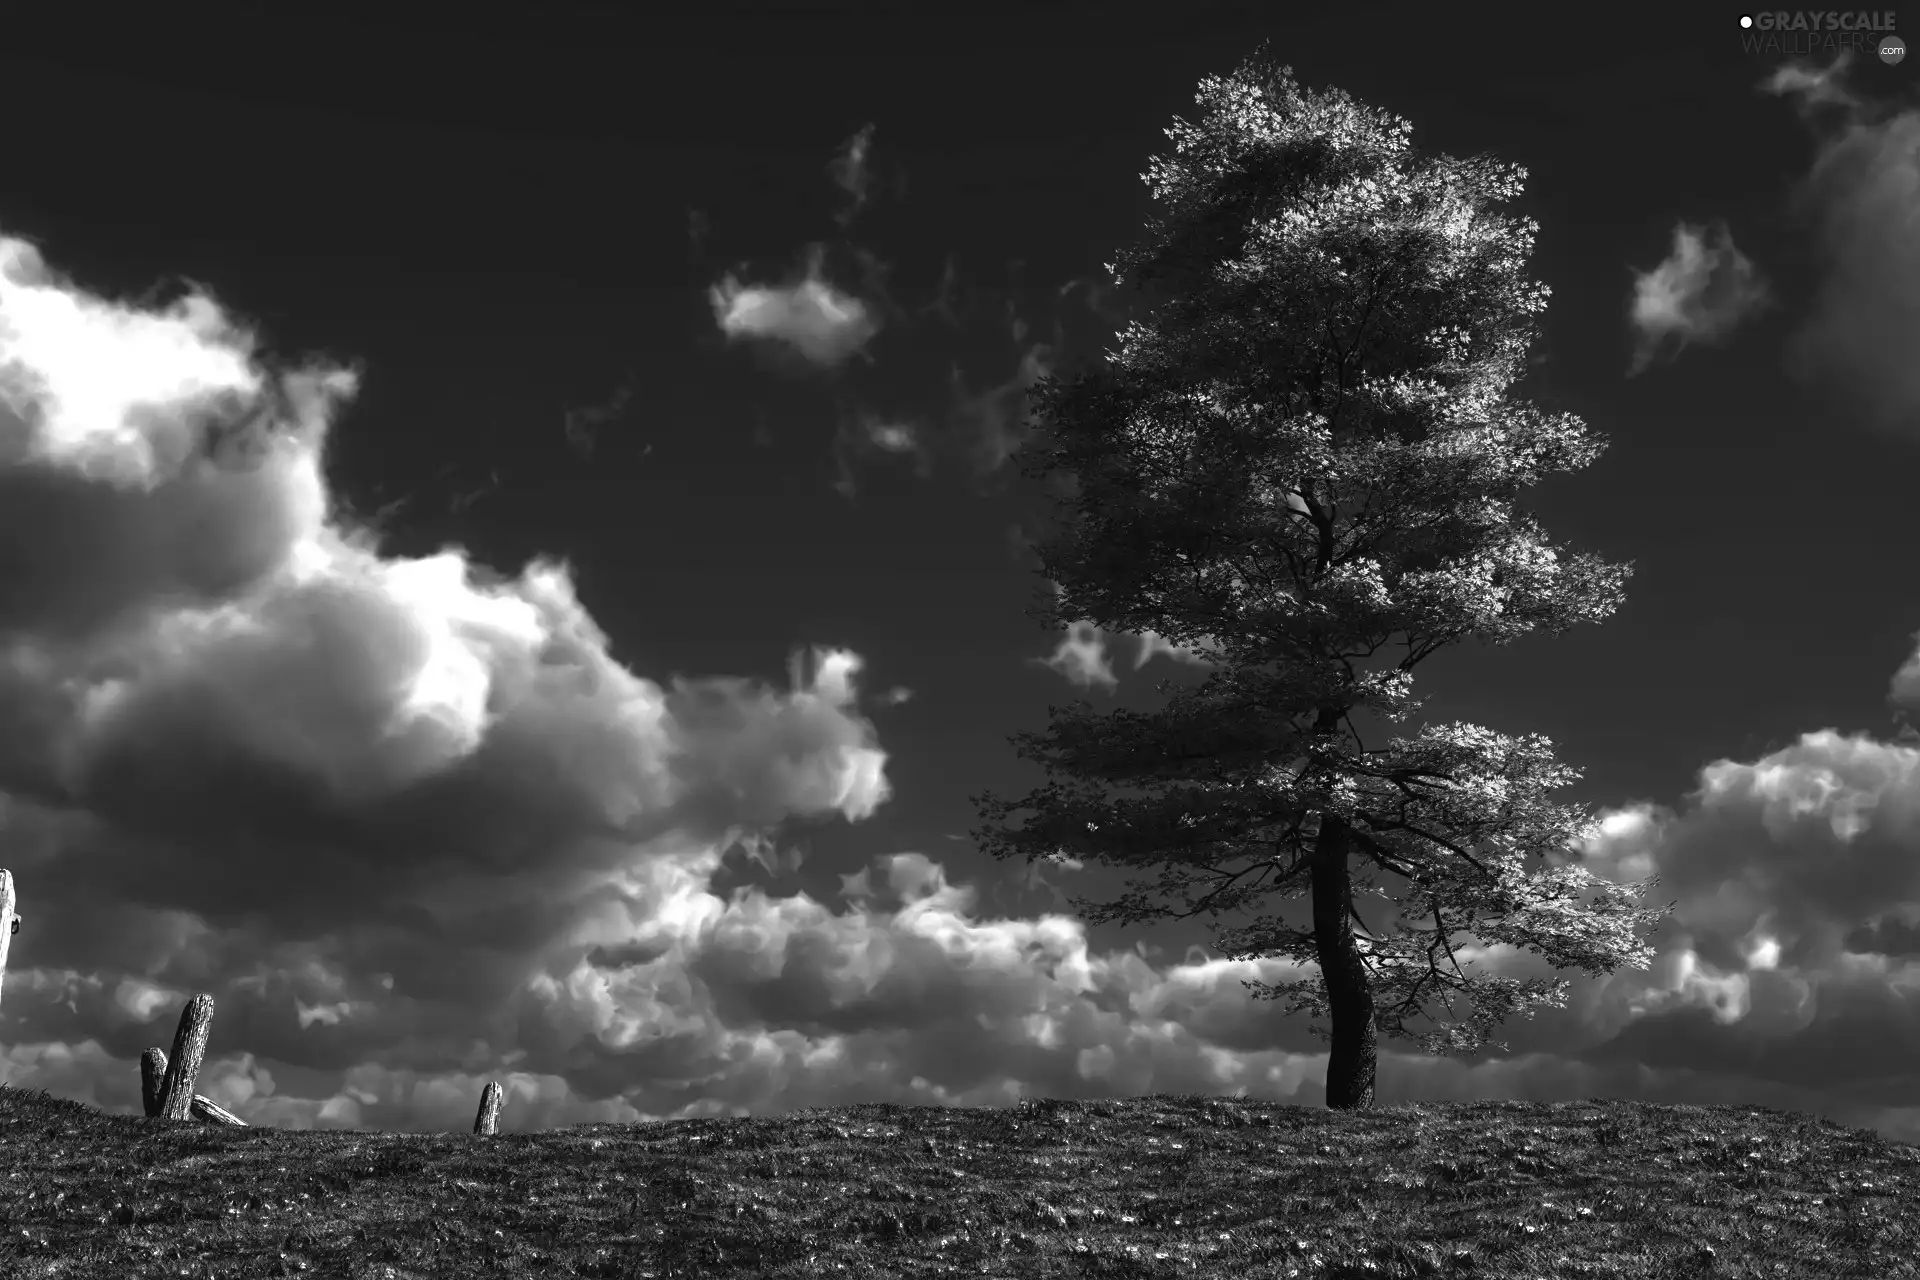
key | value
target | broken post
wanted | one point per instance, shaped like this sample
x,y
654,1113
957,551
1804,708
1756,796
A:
x,y
489,1108
153,1072
8,921
183,1065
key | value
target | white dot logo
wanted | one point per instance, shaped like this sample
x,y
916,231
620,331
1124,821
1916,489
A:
x,y
1746,19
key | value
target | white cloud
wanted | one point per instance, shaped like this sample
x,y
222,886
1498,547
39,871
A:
x,y
1081,657
1815,86
977,430
219,674
813,318
1204,654
182,602
1864,190
894,437
1081,654
1703,289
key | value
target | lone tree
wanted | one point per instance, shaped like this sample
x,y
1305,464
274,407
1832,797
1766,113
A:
x,y
1305,454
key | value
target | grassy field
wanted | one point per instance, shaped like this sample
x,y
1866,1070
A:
x,y
1144,1187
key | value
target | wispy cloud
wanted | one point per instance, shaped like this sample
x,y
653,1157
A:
x,y
1081,657
699,229
942,304
1864,194
583,423
1203,654
1700,293
991,422
1813,86
851,173
864,432
972,429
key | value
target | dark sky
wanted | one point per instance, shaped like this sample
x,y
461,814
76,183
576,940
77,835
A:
x,y
731,316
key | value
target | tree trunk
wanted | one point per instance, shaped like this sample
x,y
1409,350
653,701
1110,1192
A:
x,y
1349,995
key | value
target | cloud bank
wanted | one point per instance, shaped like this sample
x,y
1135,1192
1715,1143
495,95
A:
x,y
414,829
1863,194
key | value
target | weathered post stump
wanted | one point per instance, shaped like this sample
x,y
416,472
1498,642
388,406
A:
x,y
489,1116
8,921
153,1073
183,1065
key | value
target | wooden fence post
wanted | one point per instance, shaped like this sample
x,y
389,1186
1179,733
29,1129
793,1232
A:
x,y
153,1071
189,1046
8,921
183,1064
489,1108
166,1085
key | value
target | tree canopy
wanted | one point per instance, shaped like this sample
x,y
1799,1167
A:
x,y
1307,452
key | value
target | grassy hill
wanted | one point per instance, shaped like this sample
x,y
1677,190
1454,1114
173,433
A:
x,y
1122,1189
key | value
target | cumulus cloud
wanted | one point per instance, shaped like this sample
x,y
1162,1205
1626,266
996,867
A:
x,y
190,605
1863,192
1784,967
1700,293
809,316
206,668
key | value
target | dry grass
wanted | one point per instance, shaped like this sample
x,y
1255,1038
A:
x,y
1145,1187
